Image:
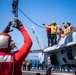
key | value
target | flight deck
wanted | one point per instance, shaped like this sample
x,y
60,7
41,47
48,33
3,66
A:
x,y
43,72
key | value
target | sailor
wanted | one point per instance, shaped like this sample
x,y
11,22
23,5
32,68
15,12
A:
x,y
48,72
24,65
54,27
48,32
65,30
70,27
61,33
28,64
10,63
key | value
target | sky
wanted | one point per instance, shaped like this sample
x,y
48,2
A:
x,y
39,11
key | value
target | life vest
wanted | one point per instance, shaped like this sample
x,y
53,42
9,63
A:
x,y
61,33
48,30
66,31
6,63
28,63
70,28
24,63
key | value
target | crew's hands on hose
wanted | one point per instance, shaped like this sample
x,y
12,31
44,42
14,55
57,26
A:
x,y
8,29
17,23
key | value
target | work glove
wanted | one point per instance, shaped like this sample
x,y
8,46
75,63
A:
x,y
43,24
8,29
10,23
17,23
68,23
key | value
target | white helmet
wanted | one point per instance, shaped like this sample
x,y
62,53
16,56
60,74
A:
x,y
5,42
53,23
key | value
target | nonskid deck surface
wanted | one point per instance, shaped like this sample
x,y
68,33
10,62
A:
x,y
43,72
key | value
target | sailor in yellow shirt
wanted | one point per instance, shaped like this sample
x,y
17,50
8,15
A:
x,y
70,27
54,27
66,31
28,64
24,65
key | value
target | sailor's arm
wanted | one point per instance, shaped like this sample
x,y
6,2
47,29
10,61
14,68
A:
x,y
24,50
8,29
58,26
46,26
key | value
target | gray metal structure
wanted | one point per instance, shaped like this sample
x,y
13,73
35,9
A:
x,y
64,53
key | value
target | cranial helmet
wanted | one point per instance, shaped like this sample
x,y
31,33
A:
x,y
54,23
5,42
65,25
